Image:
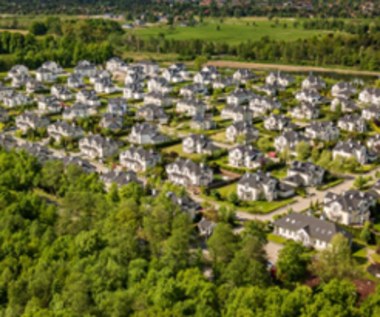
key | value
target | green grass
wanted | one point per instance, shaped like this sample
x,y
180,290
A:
x,y
231,30
259,207
276,239
177,148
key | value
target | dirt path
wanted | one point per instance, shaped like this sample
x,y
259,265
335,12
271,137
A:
x,y
290,68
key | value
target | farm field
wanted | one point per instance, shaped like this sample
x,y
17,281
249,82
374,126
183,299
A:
x,y
232,30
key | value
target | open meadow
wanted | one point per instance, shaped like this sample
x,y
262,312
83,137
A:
x,y
232,30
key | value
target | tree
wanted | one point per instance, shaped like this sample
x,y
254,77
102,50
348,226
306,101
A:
x,y
361,182
199,62
292,262
38,28
303,150
366,234
222,244
335,261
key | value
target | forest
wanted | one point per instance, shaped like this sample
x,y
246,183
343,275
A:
x,y
70,248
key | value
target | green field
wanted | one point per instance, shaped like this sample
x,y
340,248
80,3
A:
x,y
232,30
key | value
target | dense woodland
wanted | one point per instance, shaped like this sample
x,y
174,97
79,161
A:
x,y
69,248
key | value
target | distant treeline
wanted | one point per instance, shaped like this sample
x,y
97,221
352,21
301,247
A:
x,y
332,49
349,26
65,42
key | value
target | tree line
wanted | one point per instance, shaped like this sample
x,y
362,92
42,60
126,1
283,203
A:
x,y
331,49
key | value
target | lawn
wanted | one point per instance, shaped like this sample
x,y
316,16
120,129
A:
x,y
177,148
276,239
231,30
261,207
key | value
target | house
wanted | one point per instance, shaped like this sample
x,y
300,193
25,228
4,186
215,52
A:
x,y
304,174
7,141
313,82
238,97
203,78
288,141
133,92
188,173
351,149
61,92
152,113
206,227
262,186
202,121
5,91
237,113
279,79
49,105
18,70
191,91
4,115
145,134
85,165
111,122
243,75
370,96
324,131
53,67
157,99
222,83
371,113
33,86
45,75
245,156
101,75
150,68
308,230
309,95
88,97
116,64
29,120
134,77
306,111
241,129
63,130
176,73
352,123
98,147
185,204
85,69
138,159
349,208
16,99
78,110
373,143
159,84
343,90
117,106
269,90
190,107
42,153
199,144
18,81
75,81
104,85
261,105
120,178
277,122
345,105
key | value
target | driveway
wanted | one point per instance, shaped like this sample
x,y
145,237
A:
x,y
272,249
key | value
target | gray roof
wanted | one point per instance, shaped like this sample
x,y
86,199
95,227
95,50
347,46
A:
x,y
316,228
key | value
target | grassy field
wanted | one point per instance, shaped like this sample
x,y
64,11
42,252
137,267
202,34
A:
x,y
232,30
